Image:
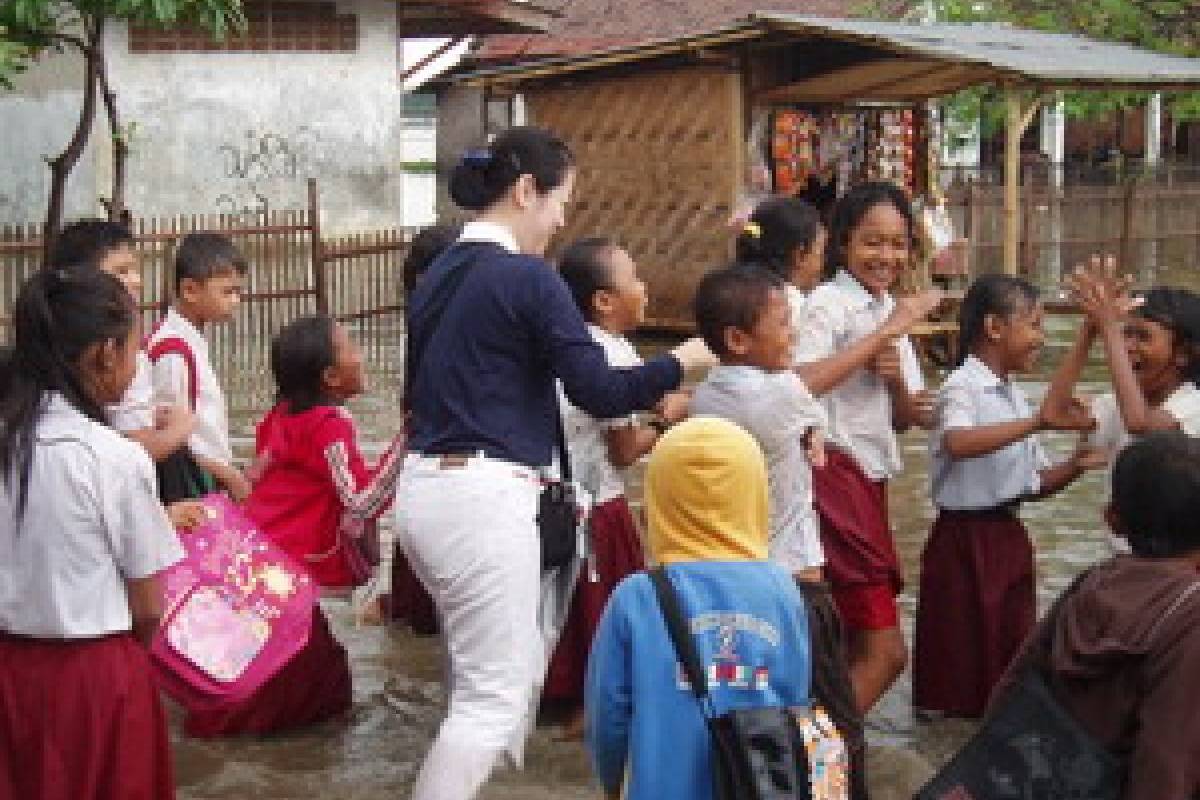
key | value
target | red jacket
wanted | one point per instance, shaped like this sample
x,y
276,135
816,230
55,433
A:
x,y
314,489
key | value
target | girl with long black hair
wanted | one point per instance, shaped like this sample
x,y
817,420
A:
x,y
82,536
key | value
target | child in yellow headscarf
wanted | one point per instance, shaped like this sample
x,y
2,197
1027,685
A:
x,y
706,498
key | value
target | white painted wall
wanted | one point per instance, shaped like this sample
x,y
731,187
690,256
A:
x,y
225,132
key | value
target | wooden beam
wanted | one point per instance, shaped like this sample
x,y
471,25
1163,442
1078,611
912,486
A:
x,y
1017,121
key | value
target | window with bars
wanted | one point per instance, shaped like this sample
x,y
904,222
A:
x,y
271,26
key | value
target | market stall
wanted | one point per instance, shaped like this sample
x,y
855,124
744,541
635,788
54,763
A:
x,y
672,136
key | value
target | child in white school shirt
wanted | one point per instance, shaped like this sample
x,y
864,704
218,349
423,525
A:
x,y
1152,346
82,538
98,244
853,354
604,283
208,284
977,601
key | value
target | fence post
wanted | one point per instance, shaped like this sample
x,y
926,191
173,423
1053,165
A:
x,y
1126,250
320,286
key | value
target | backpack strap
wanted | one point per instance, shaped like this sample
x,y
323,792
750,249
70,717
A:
x,y
174,345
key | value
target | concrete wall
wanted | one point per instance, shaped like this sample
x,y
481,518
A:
x,y
230,132
36,120
460,125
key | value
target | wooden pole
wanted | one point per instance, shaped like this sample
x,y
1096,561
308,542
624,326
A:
x,y
318,259
1017,119
1012,181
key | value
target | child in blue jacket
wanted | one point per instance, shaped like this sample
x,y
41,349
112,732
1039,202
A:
x,y
706,499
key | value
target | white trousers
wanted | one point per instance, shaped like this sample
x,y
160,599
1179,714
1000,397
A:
x,y
471,538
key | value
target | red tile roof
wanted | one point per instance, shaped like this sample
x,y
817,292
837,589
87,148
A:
x,y
587,25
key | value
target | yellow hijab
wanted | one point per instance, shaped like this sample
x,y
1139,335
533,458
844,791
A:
x,y
706,494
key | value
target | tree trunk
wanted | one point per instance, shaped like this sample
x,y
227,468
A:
x,y
115,204
64,162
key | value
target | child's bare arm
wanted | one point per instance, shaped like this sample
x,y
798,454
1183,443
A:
x,y
826,373
227,476
145,606
1058,477
629,443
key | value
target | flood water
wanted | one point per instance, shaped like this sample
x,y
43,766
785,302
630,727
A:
x,y
375,751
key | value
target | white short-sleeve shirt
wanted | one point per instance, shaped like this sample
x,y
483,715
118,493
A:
x,y
837,314
210,438
777,409
135,412
973,396
92,519
587,436
1110,434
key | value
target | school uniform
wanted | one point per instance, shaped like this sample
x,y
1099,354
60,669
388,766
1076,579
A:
x,y
135,410
1111,436
615,547
483,405
777,409
79,715
977,601
172,378
850,492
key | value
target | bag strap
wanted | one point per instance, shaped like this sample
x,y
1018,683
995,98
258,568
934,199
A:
x,y
564,467
442,294
681,638
175,345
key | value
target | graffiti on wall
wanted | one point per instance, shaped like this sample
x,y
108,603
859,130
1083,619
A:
x,y
255,164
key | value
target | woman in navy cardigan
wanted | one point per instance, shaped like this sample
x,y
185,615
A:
x,y
484,428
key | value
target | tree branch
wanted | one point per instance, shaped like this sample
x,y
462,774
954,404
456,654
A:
x,y
64,162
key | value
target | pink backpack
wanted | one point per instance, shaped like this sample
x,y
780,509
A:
x,y
237,609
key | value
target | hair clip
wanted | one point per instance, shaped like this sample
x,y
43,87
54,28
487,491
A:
x,y
753,229
480,157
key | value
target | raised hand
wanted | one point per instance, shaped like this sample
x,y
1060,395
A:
x,y
912,308
694,354
1102,293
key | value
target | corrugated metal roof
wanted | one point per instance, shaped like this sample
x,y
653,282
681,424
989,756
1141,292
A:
x,y
978,53
1039,56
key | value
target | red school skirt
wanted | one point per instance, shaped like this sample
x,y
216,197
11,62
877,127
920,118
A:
x,y
81,720
976,606
313,687
861,565
616,552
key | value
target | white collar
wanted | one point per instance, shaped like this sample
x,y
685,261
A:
x,y
182,327
483,231
983,374
856,291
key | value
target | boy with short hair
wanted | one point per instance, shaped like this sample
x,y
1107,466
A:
x,y
208,283
744,315
109,247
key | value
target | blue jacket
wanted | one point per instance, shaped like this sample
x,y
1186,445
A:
x,y
752,633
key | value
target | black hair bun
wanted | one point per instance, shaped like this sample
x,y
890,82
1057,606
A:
x,y
469,187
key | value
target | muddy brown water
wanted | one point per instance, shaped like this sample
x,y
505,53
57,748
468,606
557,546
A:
x,y
374,752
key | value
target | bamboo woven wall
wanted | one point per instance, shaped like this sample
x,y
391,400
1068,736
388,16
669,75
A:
x,y
659,165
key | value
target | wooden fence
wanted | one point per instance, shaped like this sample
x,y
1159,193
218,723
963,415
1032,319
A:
x,y
292,271
1152,228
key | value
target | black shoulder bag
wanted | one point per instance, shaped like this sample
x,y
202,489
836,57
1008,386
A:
x,y
757,753
557,515
1030,746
